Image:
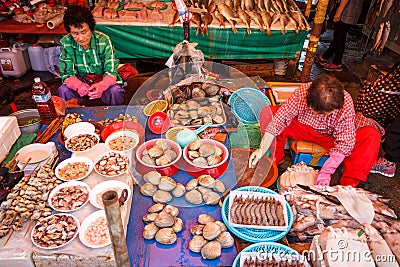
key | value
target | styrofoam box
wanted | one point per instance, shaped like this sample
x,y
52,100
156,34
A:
x,y
9,133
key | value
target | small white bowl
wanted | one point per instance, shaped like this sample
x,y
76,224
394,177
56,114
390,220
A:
x,y
36,230
96,193
110,153
78,134
79,127
87,223
68,186
68,161
122,134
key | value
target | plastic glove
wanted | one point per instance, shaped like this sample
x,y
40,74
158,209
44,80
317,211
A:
x,y
97,89
77,85
329,167
259,153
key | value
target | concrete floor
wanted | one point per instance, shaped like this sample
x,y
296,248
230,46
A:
x,y
355,73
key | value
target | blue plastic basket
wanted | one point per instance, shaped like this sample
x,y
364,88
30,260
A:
x,y
252,234
247,103
266,247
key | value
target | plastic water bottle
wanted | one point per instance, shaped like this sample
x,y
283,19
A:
x,y
42,96
183,11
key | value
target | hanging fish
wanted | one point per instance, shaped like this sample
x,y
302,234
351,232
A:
x,y
385,36
378,36
388,5
245,19
267,20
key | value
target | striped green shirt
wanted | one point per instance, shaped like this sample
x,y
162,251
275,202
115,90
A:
x,y
99,58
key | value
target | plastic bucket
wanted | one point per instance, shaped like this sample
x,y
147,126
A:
x,y
36,56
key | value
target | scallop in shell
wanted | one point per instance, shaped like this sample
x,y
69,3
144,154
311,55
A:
x,y
152,177
162,196
219,186
156,207
162,161
192,105
150,217
155,152
166,236
163,144
148,189
201,162
197,229
167,183
205,218
206,180
194,197
211,231
211,250
179,190
170,155
194,145
192,154
192,184
148,160
212,160
197,243
164,219
150,231
211,198
206,150
225,239
174,211
178,225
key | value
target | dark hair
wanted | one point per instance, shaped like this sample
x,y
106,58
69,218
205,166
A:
x,y
325,94
76,16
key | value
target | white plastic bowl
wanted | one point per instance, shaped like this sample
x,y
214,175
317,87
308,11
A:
x,y
68,185
79,127
99,158
64,163
87,222
117,134
96,193
77,134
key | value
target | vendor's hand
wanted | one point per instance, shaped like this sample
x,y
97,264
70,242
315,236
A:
x,y
77,85
83,89
255,158
323,179
337,16
97,89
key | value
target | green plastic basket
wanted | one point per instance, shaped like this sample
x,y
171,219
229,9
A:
x,y
247,136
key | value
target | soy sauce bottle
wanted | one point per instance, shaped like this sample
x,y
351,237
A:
x,y
42,96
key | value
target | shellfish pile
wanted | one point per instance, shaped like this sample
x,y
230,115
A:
x,y
186,90
112,164
82,142
161,188
162,223
160,154
70,198
197,112
204,155
73,171
204,188
120,117
209,237
275,260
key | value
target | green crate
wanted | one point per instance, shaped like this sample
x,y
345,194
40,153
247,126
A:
x,y
247,136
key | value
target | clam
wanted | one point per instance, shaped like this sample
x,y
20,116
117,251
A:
x,y
197,243
211,231
219,186
170,154
155,152
206,150
192,105
164,219
174,211
211,198
210,89
192,154
166,236
194,197
198,93
148,189
218,151
150,217
152,177
205,218
162,161
211,250
163,144
197,229
197,121
193,114
178,225
150,231
167,183
207,119
192,184
218,119
156,207
212,160
222,225
225,239
194,145
204,111
201,162
206,180
179,190
182,114
203,189
148,160
162,196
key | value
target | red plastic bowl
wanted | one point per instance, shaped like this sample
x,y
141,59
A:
x,y
167,170
215,170
120,125
159,122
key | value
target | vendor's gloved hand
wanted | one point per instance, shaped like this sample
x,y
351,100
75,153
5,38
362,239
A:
x,y
97,89
259,153
77,85
329,168
255,158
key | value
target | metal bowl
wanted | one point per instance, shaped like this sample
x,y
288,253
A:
x,y
23,116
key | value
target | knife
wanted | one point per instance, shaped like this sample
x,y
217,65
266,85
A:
x,y
330,198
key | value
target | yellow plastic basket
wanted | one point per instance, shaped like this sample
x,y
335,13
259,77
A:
x,y
173,132
154,106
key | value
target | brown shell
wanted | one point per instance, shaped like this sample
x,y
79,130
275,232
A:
x,y
197,229
170,155
192,184
211,250
156,207
194,145
219,186
164,219
178,225
206,180
179,190
206,150
163,144
152,177
148,160
148,189
150,231
211,231
222,225
150,217
194,197
197,243
155,152
211,198
166,236
225,239
162,196
201,162
205,218
174,211
167,183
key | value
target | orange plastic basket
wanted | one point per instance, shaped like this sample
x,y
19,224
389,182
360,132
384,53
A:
x,y
154,106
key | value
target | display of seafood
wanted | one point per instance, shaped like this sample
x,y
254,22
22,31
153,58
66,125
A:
x,y
69,198
209,237
204,154
95,231
28,200
82,142
161,188
271,259
120,117
262,211
298,173
55,231
162,223
159,154
71,118
121,143
73,171
112,164
204,189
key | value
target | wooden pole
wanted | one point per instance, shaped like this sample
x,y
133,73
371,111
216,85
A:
x,y
115,227
314,38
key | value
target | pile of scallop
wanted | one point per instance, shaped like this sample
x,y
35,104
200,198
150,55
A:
x,y
203,155
209,237
161,188
204,188
159,155
162,223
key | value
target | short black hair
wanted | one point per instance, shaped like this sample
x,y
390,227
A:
x,y
325,94
76,16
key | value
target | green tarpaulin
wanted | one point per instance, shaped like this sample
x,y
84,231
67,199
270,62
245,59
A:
x,y
159,41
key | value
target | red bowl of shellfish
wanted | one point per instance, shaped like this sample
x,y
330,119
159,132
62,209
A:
x,y
205,156
161,155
